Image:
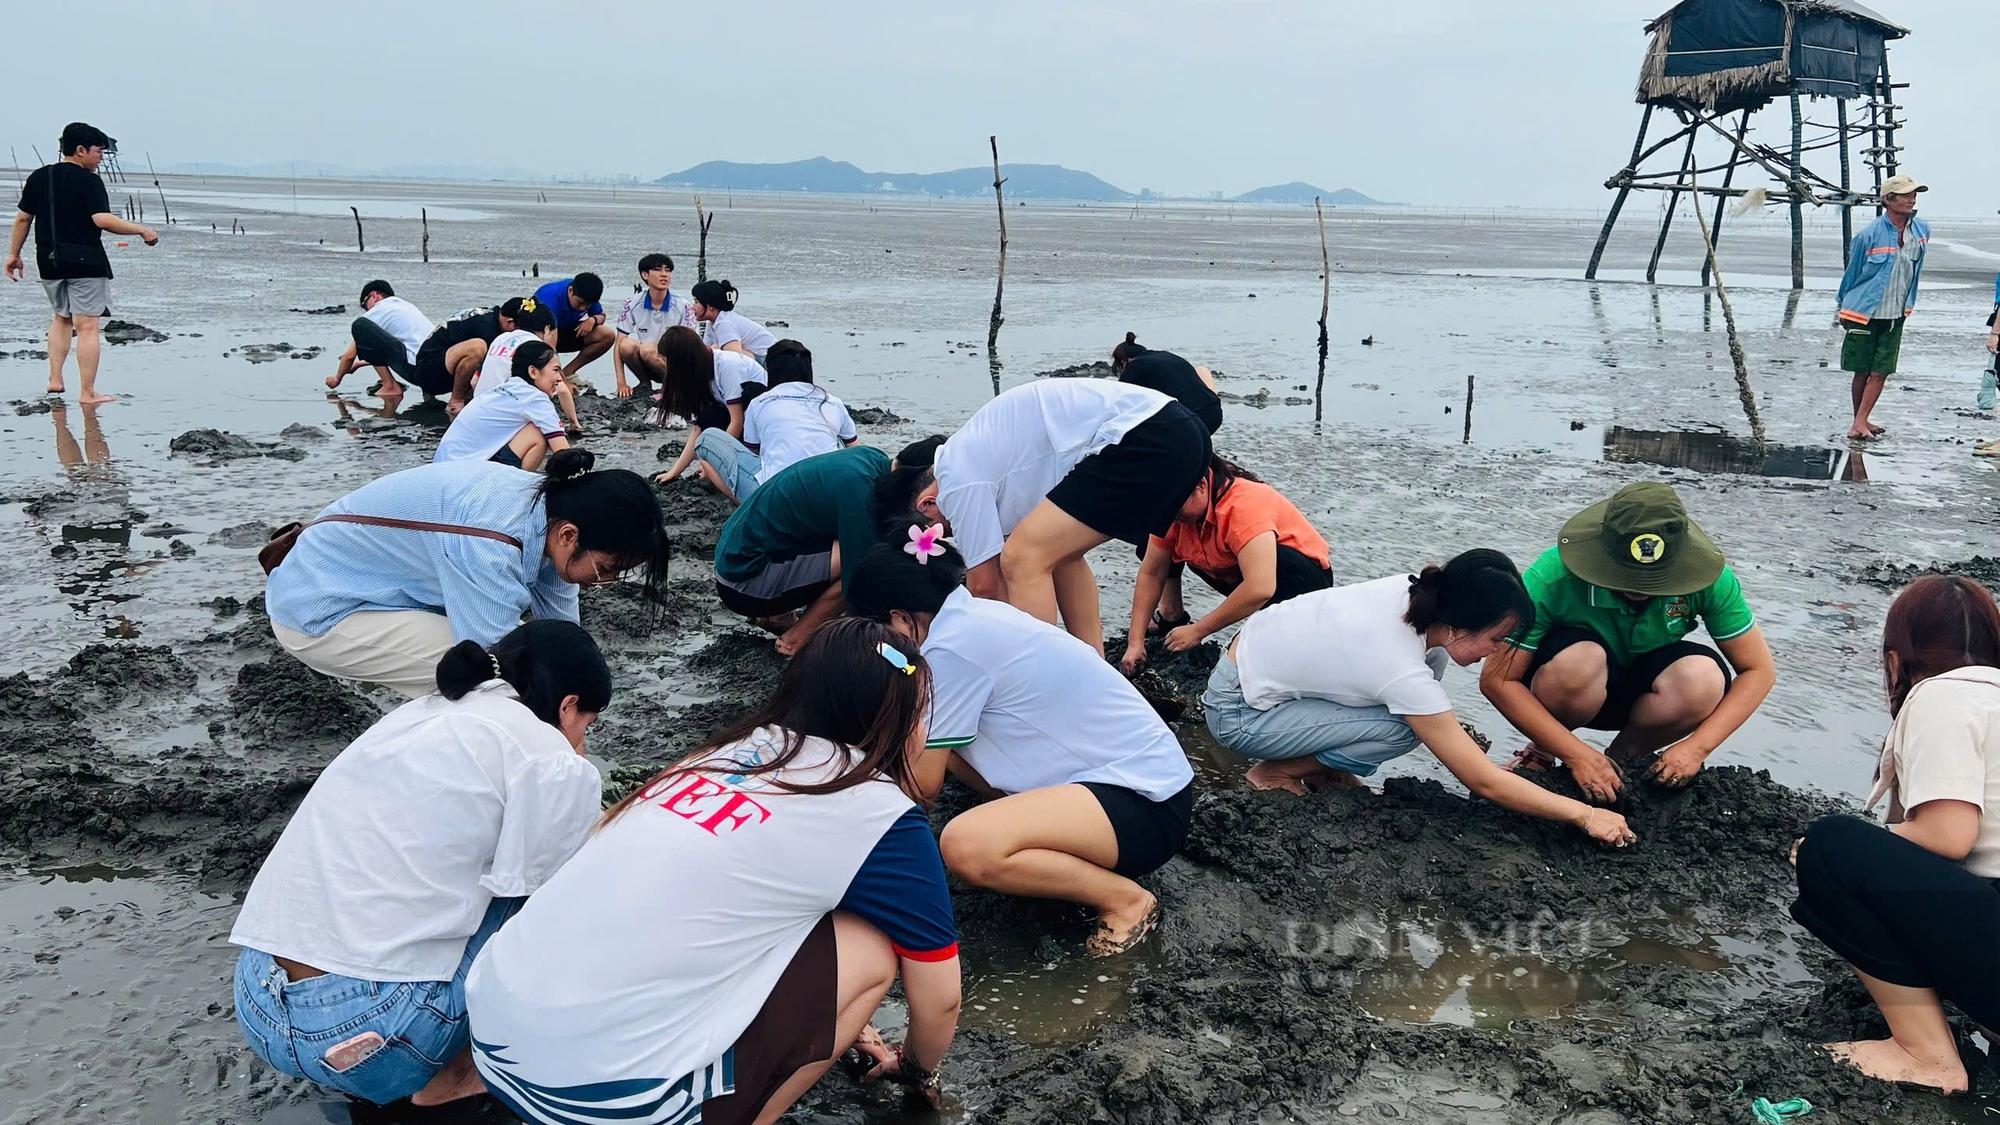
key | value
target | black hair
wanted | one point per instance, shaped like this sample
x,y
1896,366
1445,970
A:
x,y
1128,351
376,286
716,294
652,262
511,308
1474,592
1222,474
614,511
911,473
789,361
532,316
689,387
77,135
588,286
546,661
841,687
890,577
530,355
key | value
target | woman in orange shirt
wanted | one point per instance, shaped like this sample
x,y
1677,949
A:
x,y
1244,539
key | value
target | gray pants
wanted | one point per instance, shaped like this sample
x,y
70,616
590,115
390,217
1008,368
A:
x,y
375,347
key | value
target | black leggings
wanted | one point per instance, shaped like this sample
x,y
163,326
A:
x,y
1902,913
375,347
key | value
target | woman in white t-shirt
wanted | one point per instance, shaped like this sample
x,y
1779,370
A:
x,y
1915,907
534,322
707,388
515,422
1049,470
731,926
1093,789
715,306
1324,688
416,843
793,420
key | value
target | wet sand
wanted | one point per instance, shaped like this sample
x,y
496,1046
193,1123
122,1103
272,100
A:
x,y
1365,955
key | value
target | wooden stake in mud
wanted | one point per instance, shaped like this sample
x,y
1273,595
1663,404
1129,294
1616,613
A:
x,y
1325,300
360,243
1467,439
169,215
1735,342
1000,279
425,214
702,220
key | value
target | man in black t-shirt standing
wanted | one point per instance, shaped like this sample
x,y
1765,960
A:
x,y
70,210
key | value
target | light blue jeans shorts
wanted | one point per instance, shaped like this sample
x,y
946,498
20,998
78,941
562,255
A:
x,y
290,1024
1355,739
731,460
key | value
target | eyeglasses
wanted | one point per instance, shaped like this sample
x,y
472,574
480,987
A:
x,y
599,578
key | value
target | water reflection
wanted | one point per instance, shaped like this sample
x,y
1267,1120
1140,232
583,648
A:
x,y
92,521
1710,452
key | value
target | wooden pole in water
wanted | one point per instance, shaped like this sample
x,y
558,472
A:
x,y
1673,204
1846,188
360,243
702,220
164,211
1798,205
425,214
1325,301
1000,280
1624,190
1735,342
1728,175
1467,439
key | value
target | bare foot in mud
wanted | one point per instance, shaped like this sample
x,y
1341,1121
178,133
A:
x,y
95,399
458,1079
1335,779
776,624
1885,1060
1863,433
1290,775
1121,930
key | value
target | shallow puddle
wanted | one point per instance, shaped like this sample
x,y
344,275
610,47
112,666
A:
x,y
1709,452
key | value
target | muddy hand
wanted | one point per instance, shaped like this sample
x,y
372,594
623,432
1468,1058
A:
x,y
1184,638
1134,659
1607,827
1599,778
1677,766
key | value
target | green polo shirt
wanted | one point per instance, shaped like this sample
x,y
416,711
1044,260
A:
x,y
810,505
1629,629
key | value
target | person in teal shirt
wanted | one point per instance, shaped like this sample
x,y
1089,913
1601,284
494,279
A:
x,y
1615,600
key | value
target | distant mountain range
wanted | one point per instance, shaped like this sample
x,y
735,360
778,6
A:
x,y
1024,181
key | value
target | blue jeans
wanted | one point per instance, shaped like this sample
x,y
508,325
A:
x,y
731,460
1355,739
290,1024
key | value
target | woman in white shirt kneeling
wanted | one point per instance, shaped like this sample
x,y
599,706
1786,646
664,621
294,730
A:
x,y
515,422
1094,790
1915,907
731,927
1325,688
416,843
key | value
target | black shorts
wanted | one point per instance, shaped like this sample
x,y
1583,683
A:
x,y
793,1030
505,455
431,375
567,341
1623,684
1298,573
1136,487
1149,833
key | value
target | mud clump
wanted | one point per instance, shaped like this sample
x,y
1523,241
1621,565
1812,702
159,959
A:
x,y
282,703
241,535
271,353
126,332
1171,681
218,446
695,514
607,413
1095,369
324,310
299,431
1890,576
106,675
876,416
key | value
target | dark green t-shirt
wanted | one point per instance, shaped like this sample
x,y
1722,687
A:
x,y
1629,629
810,505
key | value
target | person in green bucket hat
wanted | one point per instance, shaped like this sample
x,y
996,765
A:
x,y
1615,600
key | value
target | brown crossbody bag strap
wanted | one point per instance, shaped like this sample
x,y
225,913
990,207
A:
x,y
283,539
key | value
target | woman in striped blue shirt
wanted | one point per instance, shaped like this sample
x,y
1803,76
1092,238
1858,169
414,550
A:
x,y
358,600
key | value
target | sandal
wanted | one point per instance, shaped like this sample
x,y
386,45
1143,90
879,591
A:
x,y
1164,625
1531,758
1101,945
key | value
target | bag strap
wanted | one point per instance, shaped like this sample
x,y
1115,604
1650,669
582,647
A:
x,y
417,525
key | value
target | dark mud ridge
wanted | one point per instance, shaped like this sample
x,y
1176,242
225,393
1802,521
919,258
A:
x,y
217,446
269,353
1891,576
126,332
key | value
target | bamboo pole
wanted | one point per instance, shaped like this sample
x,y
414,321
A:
x,y
1673,204
1325,302
1736,358
360,243
425,214
1798,212
164,210
703,221
1618,202
1729,175
1000,279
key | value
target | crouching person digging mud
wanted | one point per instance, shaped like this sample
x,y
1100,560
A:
x,y
413,848
731,927
1092,789
1915,907
1607,648
1325,688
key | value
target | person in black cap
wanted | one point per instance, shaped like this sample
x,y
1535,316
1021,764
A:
x,y
1615,599
70,209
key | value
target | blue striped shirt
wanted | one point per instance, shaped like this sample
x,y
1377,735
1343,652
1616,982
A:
x,y
482,585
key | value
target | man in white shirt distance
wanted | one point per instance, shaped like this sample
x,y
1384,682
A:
x,y
385,336
646,315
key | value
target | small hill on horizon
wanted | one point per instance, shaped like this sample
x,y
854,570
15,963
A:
x,y
1299,191
819,174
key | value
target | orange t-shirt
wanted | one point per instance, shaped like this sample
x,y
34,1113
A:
x,y
1249,509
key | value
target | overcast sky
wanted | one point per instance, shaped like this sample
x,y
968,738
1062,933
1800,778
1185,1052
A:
x,y
1449,102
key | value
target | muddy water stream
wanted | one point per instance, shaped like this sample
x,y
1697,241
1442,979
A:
x,y
169,760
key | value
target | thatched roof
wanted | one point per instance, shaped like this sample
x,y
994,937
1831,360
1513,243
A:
x,y
1750,86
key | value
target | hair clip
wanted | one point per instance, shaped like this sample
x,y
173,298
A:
x,y
895,657
496,666
924,543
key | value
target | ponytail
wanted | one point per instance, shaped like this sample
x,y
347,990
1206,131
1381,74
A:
x,y
716,294
1128,351
1474,592
545,661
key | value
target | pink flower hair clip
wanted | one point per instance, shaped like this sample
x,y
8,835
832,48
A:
x,y
924,543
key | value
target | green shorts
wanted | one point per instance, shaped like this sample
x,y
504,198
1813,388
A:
x,y
1872,348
